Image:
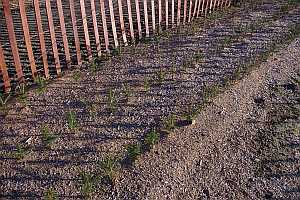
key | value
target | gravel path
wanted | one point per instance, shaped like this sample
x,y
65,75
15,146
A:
x,y
178,66
245,145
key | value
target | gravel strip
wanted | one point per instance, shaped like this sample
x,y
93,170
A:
x,y
221,157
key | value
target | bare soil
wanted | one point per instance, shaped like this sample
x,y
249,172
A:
x,y
179,66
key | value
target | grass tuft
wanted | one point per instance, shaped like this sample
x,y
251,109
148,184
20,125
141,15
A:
x,y
151,138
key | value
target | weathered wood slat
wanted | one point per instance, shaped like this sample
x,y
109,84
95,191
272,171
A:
x,y
41,37
190,11
130,20
96,31
104,25
146,17
123,31
159,14
173,13
3,69
27,37
138,18
75,32
53,37
184,11
113,23
12,40
86,30
178,12
167,13
153,15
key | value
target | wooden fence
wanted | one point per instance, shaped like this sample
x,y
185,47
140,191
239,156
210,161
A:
x,y
44,37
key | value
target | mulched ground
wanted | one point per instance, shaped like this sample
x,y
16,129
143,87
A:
x,y
178,66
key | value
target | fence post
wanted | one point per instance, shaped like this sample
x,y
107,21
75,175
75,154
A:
x,y
95,24
53,37
63,32
41,37
153,15
146,18
3,69
75,32
12,40
27,37
178,12
123,31
138,18
86,30
104,25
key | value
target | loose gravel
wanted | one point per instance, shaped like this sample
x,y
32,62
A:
x,y
178,65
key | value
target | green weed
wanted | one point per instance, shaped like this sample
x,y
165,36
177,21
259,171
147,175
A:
x,y
151,138
21,90
50,194
41,84
146,85
110,168
20,152
76,76
170,123
47,137
210,92
3,99
88,184
72,121
127,91
160,76
112,102
133,151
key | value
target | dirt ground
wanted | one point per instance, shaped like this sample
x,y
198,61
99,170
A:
x,y
53,135
245,145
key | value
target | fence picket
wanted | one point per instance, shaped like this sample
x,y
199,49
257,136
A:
x,y
184,11
178,12
195,9
153,15
86,30
3,70
159,14
75,32
173,13
200,2
190,11
104,25
12,40
138,18
113,22
41,37
27,38
130,20
167,13
123,31
95,25
63,32
146,18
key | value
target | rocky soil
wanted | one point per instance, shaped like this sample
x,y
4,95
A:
x,y
96,112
